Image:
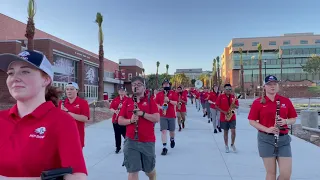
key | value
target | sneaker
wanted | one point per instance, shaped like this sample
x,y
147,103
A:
x,y
117,150
211,119
215,131
164,151
179,127
208,120
172,144
219,129
204,115
227,149
183,124
234,148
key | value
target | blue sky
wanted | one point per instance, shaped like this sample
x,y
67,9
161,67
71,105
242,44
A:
x,y
181,33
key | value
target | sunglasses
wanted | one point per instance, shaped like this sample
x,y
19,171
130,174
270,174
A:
x,y
229,89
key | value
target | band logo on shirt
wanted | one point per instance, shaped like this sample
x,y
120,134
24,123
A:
x,y
38,133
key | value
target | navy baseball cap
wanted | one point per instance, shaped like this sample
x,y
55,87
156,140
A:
x,y
34,58
270,78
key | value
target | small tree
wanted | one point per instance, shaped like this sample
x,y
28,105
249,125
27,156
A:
x,y
312,65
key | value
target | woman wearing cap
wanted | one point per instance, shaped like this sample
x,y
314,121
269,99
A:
x,y
262,116
35,135
77,108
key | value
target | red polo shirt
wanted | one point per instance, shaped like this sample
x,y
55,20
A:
x,y
145,127
43,140
213,97
80,107
171,113
183,105
197,93
114,105
224,102
266,113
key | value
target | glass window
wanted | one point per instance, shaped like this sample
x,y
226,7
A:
x,y
255,43
272,43
312,50
305,51
299,51
237,44
303,42
318,51
286,51
285,61
292,51
317,41
286,42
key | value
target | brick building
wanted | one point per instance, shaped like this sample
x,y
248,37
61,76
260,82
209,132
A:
x,y
71,63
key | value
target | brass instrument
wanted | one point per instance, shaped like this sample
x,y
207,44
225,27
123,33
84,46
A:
x,y
179,103
165,105
135,100
232,108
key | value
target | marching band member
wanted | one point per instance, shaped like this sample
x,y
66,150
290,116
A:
x,y
181,107
76,107
215,114
207,104
35,134
115,107
139,115
167,100
224,103
203,101
270,115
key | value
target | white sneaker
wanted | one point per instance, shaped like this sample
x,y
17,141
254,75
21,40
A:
x,y
227,149
233,148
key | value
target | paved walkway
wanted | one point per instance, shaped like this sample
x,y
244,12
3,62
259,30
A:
x,y
198,155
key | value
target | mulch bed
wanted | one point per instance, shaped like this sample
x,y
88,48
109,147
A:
x,y
305,134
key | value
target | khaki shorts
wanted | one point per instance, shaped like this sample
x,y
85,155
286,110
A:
x,y
181,115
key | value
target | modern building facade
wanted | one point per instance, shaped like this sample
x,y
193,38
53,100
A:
x,y
293,50
70,62
191,73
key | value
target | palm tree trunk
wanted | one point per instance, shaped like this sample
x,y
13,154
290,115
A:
x,y
101,72
157,78
260,76
30,31
242,81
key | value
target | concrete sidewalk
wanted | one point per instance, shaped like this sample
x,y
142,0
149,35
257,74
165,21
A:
x,y
198,155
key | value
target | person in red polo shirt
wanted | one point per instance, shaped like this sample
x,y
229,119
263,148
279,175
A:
x,y
223,104
181,107
215,114
76,107
35,135
270,115
167,101
115,108
139,114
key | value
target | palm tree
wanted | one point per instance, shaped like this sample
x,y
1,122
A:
x,y
204,78
241,67
30,31
218,70
144,76
214,72
99,20
167,68
157,74
260,66
251,62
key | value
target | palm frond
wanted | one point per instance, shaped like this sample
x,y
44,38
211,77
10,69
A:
x,y
31,9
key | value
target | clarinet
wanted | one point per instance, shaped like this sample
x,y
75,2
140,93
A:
x,y
135,100
119,108
276,135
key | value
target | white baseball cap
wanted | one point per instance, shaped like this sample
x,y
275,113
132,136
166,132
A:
x,y
73,84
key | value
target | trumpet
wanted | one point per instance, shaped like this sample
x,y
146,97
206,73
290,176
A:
x,y
232,108
135,100
165,105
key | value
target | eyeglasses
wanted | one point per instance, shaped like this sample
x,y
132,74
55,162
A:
x,y
137,85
